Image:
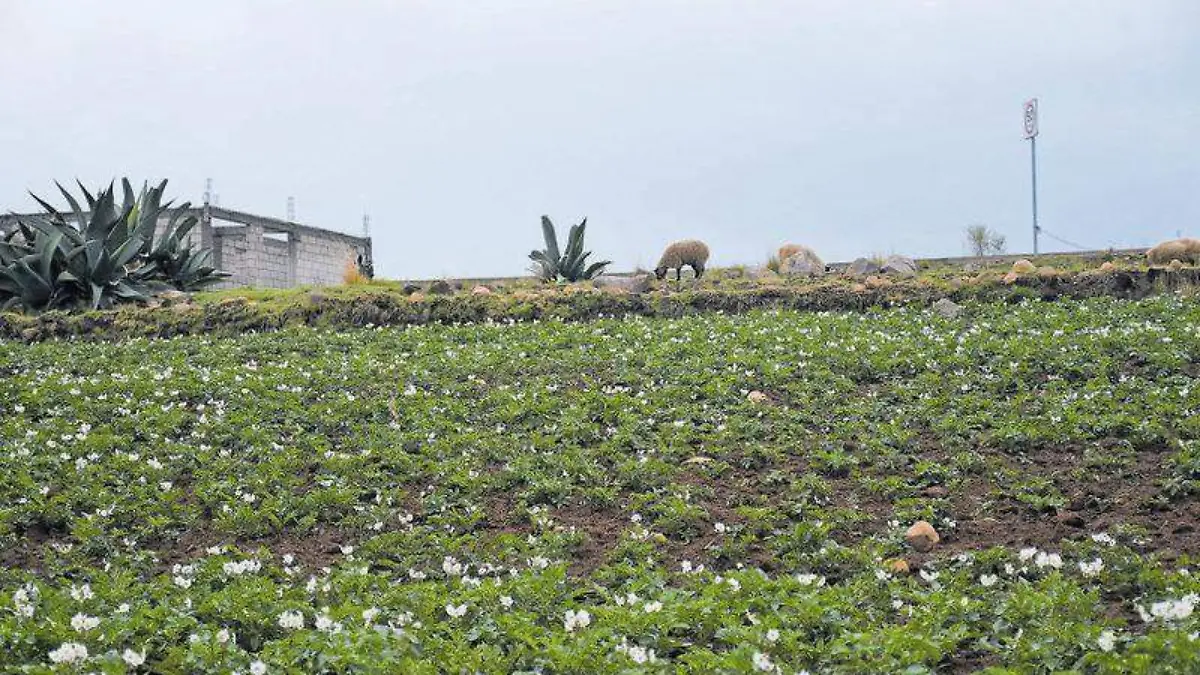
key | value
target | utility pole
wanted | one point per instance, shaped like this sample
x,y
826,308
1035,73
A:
x,y
1031,132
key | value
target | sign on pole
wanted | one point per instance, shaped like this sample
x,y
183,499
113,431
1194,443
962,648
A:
x,y
1031,132
1031,120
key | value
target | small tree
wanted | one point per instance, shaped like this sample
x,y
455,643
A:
x,y
984,241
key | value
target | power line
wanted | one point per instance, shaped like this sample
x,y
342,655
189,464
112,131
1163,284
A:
x,y
1060,240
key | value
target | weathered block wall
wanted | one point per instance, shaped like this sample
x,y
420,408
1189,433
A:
x,y
273,268
229,254
321,260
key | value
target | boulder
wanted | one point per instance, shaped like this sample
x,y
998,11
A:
x,y
1011,278
947,308
481,290
440,287
901,266
862,267
897,566
922,537
761,273
634,284
804,263
409,289
1023,266
756,397
1108,267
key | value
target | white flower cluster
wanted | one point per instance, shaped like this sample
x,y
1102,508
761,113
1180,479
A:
x,y
69,652
573,620
23,600
83,623
637,654
1170,610
291,620
234,569
762,663
182,575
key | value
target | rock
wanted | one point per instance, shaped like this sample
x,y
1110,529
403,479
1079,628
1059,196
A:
x,y
1108,267
947,308
861,267
897,566
1011,278
971,267
1176,265
804,263
761,273
756,397
440,287
922,537
409,289
1047,272
481,290
878,282
634,284
935,491
417,296
1070,519
1023,266
174,297
901,266
859,288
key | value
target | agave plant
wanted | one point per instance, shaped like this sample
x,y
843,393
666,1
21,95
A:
x,y
173,260
571,264
98,256
32,269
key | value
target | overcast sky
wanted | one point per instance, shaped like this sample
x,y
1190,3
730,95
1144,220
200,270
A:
x,y
855,127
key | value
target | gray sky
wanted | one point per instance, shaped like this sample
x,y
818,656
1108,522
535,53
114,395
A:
x,y
855,127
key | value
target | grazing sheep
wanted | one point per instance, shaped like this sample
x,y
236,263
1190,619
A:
x,y
690,252
1184,250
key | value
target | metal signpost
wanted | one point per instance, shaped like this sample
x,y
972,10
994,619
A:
x,y
1031,132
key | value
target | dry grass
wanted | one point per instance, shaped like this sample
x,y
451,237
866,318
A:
x,y
352,275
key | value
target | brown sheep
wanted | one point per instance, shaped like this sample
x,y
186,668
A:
x,y
1184,250
691,252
